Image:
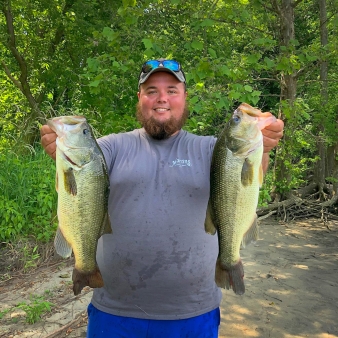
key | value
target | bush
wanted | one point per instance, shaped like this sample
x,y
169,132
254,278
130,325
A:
x,y
28,201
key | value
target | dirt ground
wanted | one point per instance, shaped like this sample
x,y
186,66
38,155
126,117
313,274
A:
x,y
291,277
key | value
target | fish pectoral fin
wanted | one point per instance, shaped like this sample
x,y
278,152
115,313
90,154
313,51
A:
x,y
106,226
260,176
61,245
70,182
247,173
208,223
252,234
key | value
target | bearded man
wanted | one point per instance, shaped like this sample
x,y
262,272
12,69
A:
x,y
158,266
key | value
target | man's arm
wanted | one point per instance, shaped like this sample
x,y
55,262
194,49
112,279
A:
x,y
271,136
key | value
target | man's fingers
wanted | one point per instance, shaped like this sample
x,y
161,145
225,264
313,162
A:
x,y
48,140
272,134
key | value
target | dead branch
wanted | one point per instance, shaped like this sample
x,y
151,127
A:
x,y
297,208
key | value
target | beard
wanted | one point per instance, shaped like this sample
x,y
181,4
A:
x,y
161,130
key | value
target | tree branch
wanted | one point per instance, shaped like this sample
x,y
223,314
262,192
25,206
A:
x,y
11,77
22,83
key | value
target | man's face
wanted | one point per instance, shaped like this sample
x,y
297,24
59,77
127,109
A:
x,y
162,105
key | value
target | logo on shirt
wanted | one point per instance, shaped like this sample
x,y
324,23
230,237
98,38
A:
x,y
180,163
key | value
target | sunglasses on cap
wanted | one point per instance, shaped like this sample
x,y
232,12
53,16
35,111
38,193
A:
x,y
152,66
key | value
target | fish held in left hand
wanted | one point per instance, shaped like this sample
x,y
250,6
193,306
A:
x,y
82,184
235,178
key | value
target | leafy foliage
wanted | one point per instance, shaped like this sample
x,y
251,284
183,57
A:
x,y
83,57
35,309
28,199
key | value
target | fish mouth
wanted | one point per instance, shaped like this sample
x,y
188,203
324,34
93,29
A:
x,y
62,124
263,119
251,111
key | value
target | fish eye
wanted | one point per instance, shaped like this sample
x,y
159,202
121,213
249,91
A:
x,y
85,131
236,119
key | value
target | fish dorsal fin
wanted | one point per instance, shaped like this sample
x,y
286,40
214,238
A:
x,y
61,245
252,234
208,223
247,173
106,226
70,182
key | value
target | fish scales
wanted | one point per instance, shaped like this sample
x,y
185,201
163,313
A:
x,y
235,178
83,189
83,206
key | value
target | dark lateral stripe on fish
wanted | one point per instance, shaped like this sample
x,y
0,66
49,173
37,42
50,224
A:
x,y
230,277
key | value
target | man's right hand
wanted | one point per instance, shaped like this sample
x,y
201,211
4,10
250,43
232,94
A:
x,y
48,140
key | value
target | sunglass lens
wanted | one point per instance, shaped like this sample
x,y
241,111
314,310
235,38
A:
x,y
149,65
153,64
172,65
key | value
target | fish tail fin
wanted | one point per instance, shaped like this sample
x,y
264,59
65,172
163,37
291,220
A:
x,y
82,279
232,277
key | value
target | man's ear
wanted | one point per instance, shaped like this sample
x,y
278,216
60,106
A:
x,y
138,95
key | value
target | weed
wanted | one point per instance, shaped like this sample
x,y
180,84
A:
x,y
37,307
3,313
29,257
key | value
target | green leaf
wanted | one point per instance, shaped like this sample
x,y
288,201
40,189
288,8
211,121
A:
x,y
194,99
207,23
108,33
212,53
256,93
270,63
94,83
248,88
197,45
93,64
225,70
128,3
147,43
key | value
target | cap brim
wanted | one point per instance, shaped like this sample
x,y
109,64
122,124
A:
x,y
144,76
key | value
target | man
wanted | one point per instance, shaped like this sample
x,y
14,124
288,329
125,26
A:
x,y
158,266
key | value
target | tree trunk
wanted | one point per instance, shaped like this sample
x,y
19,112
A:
x,y
321,167
288,90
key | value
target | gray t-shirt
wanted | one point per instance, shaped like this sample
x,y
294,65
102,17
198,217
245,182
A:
x,y
159,263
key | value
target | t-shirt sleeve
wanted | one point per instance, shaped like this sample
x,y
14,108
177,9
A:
x,y
108,147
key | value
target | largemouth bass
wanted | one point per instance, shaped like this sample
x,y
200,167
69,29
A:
x,y
82,184
235,178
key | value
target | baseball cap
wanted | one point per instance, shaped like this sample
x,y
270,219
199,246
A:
x,y
161,65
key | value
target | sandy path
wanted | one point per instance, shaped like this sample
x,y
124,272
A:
x,y
291,278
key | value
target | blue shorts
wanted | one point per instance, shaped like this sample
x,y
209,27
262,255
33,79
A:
x,y
105,325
